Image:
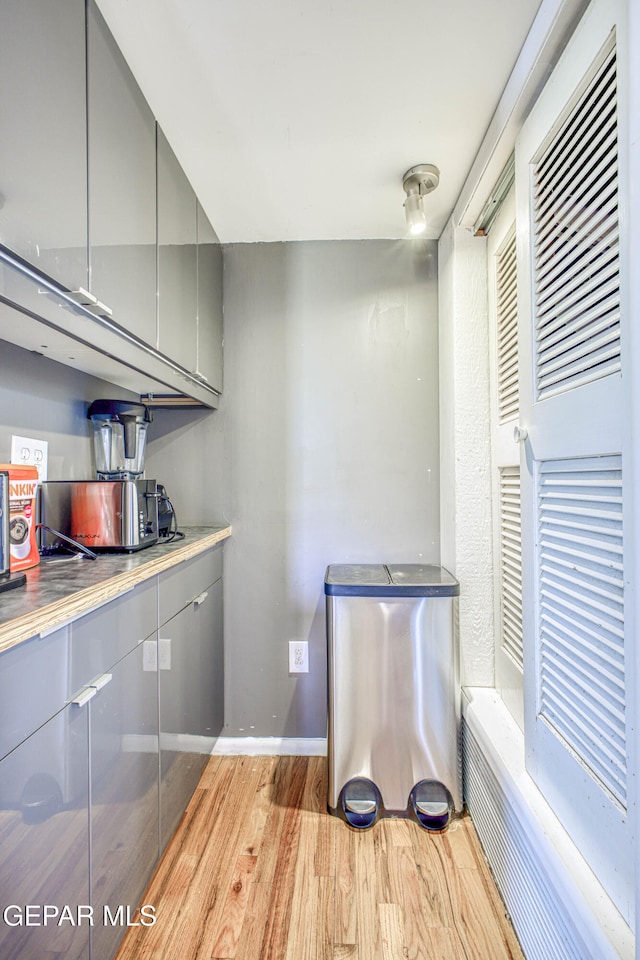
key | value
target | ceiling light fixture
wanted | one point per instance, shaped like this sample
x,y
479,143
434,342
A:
x,y
417,182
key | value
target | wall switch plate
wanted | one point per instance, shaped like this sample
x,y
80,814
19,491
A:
x,y
29,452
164,651
150,656
298,656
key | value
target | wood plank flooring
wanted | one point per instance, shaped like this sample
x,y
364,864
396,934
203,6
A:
x,y
259,871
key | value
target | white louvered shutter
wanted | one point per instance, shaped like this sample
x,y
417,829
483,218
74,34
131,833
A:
x,y
507,330
505,453
511,565
576,248
575,475
582,661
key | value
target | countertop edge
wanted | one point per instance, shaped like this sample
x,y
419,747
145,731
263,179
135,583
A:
x,y
52,615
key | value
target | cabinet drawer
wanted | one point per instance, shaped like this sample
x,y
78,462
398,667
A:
x,y
180,585
33,686
101,638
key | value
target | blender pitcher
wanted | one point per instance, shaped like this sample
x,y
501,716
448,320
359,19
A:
x,y
119,436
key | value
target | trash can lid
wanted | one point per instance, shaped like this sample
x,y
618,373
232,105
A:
x,y
389,580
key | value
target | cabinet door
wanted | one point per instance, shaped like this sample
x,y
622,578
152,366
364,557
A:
x,y
177,260
122,185
210,330
43,156
34,685
105,635
44,840
124,792
191,701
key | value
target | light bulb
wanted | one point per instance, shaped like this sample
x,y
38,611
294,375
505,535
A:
x,y
414,212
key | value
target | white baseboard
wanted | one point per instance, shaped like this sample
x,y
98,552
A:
x,y
227,746
271,746
558,908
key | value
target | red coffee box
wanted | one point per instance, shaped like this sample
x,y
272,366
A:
x,y
23,482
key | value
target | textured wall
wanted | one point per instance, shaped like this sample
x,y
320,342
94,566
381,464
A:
x,y
465,461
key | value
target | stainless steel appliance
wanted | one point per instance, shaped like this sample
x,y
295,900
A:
x,y
105,515
394,695
8,580
119,438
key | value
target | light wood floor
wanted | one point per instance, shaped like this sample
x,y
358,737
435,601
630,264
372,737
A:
x,y
259,871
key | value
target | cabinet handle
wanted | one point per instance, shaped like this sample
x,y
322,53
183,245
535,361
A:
x,y
200,598
101,681
85,299
86,694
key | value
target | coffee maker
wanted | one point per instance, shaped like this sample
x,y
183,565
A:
x,y
118,512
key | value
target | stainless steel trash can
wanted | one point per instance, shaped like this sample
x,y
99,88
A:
x,y
394,693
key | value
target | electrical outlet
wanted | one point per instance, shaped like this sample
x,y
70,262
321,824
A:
x,y
298,656
30,452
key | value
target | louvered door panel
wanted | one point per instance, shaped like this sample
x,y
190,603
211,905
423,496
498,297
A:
x,y
505,455
575,465
507,331
511,564
582,681
575,244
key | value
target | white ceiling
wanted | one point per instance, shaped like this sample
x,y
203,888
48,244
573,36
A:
x,y
295,119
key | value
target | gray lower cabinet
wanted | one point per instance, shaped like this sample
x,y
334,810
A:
x,y
105,727
79,789
191,674
124,795
44,841
122,185
115,648
43,146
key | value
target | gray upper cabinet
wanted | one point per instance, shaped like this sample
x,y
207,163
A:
x,y
210,331
177,260
122,185
92,195
43,176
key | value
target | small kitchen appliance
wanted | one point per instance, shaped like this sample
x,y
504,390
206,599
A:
x,y
107,515
119,438
120,511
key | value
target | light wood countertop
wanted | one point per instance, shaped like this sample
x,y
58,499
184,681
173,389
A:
x,y
60,590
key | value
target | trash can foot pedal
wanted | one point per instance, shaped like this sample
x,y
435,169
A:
x,y
360,801
432,808
360,806
432,804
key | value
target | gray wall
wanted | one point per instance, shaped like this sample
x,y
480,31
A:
x,y
330,450
45,400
